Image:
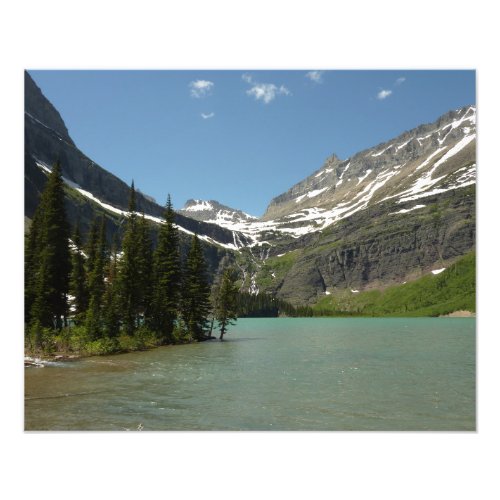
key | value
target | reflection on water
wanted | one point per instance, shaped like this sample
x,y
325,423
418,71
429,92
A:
x,y
299,374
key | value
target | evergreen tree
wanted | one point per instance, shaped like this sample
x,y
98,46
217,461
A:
x,y
129,269
226,295
91,247
111,312
31,264
166,278
49,284
96,286
77,283
195,292
145,267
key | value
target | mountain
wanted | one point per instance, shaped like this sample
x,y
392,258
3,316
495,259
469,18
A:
x,y
91,190
424,161
214,212
388,214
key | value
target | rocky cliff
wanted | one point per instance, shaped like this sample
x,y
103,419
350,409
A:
x,y
388,214
92,190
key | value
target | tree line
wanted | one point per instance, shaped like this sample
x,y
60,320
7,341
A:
x,y
108,293
267,306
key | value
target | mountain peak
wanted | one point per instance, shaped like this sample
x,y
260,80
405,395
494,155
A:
x,y
214,212
39,109
386,167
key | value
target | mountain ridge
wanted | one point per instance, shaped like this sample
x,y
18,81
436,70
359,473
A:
x,y
388,213
44,145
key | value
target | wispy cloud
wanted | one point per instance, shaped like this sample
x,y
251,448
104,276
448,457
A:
x,y
400,80
201,88
384,94
265,92
206,116
315,76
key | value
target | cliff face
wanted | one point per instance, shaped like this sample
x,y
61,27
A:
x,y
92,190
47,139
388,214
372,249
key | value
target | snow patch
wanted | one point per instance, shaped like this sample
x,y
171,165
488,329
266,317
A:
x,y
455,149
405,210
402,145
199,206
383,151
437,271
323,172
310,194
361,179
426,162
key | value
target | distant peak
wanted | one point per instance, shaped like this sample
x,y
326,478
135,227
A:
x,y
192,205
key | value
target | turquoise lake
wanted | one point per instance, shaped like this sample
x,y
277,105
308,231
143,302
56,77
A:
x,y
361,374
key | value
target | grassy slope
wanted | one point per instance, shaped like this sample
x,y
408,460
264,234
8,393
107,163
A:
x,y
432,295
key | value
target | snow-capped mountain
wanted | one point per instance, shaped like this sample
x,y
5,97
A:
x,y
387,214
428,160
214,212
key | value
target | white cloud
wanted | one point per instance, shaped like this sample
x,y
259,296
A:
x,y
266,92
383,94
201,88
206,116
400,80
315,76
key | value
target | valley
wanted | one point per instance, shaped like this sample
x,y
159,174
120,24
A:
x,y
388,215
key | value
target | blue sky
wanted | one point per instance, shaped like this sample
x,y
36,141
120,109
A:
x,y
240,137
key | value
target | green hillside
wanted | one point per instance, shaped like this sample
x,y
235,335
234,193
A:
x,y
452,290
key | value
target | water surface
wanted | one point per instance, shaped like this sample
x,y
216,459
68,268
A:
x,y
273,374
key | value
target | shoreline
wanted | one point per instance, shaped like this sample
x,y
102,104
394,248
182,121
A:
x,y
37,360
459,314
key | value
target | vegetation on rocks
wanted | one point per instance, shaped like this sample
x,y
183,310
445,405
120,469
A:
x,y
433,295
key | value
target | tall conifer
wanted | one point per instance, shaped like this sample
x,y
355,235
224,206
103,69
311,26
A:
x,y
77,283
226,306
145,266
166,278
129,270
91,247
31,263
111,313
96,285
195,292
51,276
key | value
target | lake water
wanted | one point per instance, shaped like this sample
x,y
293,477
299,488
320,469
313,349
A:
x,y
273,374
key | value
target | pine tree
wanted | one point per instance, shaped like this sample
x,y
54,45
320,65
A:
x,y
111,305
91,247
49,284
226,305
166,278
195,292
145,267
31,264
77,283
129,270
96,286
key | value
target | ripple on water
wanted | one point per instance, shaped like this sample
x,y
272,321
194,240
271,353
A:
x,y
278,374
